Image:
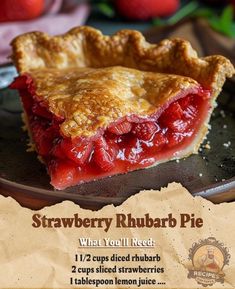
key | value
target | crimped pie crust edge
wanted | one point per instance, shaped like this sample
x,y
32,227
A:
x,y
87,47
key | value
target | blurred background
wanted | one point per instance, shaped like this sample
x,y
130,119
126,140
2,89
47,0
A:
x,y
208,24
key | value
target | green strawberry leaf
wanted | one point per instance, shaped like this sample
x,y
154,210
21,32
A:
x,y
233,29
226,18
106,9
186,10
158,22
214,22
224,24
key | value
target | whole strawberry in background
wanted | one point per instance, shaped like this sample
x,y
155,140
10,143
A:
x,y
17,10
146,9
233,3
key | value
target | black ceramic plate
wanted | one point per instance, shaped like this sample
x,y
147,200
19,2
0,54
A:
x,y
209,174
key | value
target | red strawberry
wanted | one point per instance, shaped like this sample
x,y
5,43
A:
x,y
77,152
104,154
145,130
145,9
17,10
121,128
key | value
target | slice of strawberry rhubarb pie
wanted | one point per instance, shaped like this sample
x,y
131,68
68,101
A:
x,y
97,106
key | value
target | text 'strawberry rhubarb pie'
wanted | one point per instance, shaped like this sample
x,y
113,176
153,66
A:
x,y
97,106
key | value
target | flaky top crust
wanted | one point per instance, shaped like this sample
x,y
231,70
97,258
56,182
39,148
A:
x,y
90,99
87,47
123,83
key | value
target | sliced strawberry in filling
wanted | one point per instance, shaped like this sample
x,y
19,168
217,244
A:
x,y
132,150
120,128
159,141
126,145
104,154
77,151
145,130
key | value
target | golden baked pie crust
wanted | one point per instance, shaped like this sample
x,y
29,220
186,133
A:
x,y
93,80
90,99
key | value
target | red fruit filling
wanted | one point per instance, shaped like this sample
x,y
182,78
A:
x,y
124,146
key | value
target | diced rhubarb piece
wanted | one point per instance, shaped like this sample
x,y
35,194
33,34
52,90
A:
x,y
113,148
101,143
174,111
121,128
104,155
178,125
76,151
190,112
159,141
185,101
132,150
145,130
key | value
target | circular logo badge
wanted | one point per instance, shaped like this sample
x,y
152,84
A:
x,y
208,258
